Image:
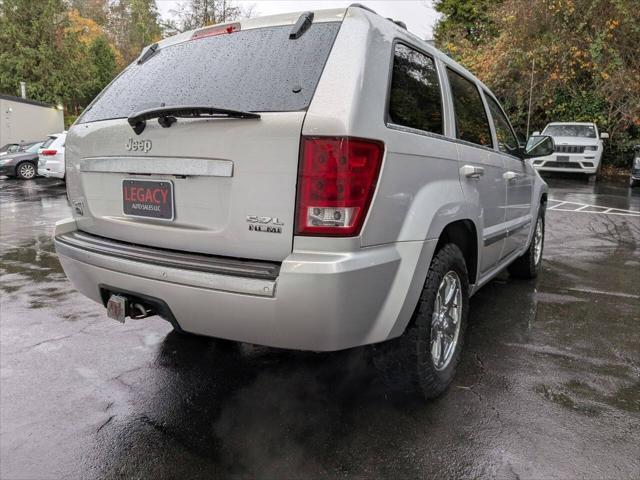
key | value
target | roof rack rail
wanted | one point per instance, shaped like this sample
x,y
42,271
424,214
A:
x,y
359,5
397,22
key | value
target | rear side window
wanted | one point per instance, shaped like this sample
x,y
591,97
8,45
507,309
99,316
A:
x,y
472,124
259,70
415,99
507,140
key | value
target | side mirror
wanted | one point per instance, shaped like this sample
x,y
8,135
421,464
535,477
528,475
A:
x,y
535,134
539,146
604,135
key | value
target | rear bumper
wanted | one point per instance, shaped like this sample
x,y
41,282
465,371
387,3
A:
x,y
318,301
44,171
49,174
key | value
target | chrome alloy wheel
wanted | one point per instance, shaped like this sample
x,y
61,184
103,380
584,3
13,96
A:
x,y
446,320
27,170
537,242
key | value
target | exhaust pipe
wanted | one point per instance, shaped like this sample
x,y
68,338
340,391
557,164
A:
x,y
137,311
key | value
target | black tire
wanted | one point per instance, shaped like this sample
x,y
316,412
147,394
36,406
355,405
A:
x,y
26,170
406,362
634,183
528,265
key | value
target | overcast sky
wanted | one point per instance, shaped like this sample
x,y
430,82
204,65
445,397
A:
x,y
417,14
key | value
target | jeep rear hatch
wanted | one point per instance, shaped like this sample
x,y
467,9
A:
x,y
222,183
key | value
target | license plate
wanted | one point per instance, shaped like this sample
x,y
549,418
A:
x,y
148,198
562,158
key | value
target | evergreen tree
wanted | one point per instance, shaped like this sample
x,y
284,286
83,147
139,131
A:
x,y
103,66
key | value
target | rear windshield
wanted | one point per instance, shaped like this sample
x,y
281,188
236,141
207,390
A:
x,y
48,142
588,131
259,70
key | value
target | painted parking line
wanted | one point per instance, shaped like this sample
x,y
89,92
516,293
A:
x,y
566,206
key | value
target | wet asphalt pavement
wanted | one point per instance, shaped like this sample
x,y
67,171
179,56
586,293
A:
x,y
548,387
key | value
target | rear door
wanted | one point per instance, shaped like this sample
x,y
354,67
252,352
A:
x,y
229,184
481,169
518,177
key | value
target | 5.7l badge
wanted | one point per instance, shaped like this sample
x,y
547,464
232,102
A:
x,y
264,224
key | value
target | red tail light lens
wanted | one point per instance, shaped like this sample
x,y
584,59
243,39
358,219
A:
x,y
336,180
47,153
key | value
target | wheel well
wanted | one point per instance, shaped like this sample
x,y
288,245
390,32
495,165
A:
x,y
543,202
463,234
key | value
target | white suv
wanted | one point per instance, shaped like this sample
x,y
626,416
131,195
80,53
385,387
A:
x,y
51,156
313,181
578,148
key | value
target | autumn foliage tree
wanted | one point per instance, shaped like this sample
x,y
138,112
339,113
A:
x,y
67,51
582,54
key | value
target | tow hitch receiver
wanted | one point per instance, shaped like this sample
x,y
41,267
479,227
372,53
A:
x,y
117,308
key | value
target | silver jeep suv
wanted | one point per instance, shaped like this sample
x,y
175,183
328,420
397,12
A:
x,y
313,181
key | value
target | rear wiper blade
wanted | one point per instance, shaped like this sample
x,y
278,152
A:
x,y
302,25
167,115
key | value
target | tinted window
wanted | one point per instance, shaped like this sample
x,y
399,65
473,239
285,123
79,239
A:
x,y
507,140
415,99
48,142
588,131
471,118
255,70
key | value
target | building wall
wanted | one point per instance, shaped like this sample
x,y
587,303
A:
x,y
24,122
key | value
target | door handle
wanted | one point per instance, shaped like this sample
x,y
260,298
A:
x,y
470,171
510,175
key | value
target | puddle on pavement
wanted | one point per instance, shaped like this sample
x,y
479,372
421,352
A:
x,y
563,399
627,397
589,400
28,267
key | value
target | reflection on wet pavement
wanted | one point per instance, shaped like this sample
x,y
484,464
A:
x,y
574,188
549,386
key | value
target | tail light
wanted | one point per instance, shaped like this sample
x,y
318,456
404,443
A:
x,y
336,180
47,153
214,30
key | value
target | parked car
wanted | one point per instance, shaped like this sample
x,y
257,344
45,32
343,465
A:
x,y
51,156
578,148
634,181
294,191
15,147
21,164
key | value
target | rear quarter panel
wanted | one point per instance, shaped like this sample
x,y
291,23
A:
x,y
419,190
